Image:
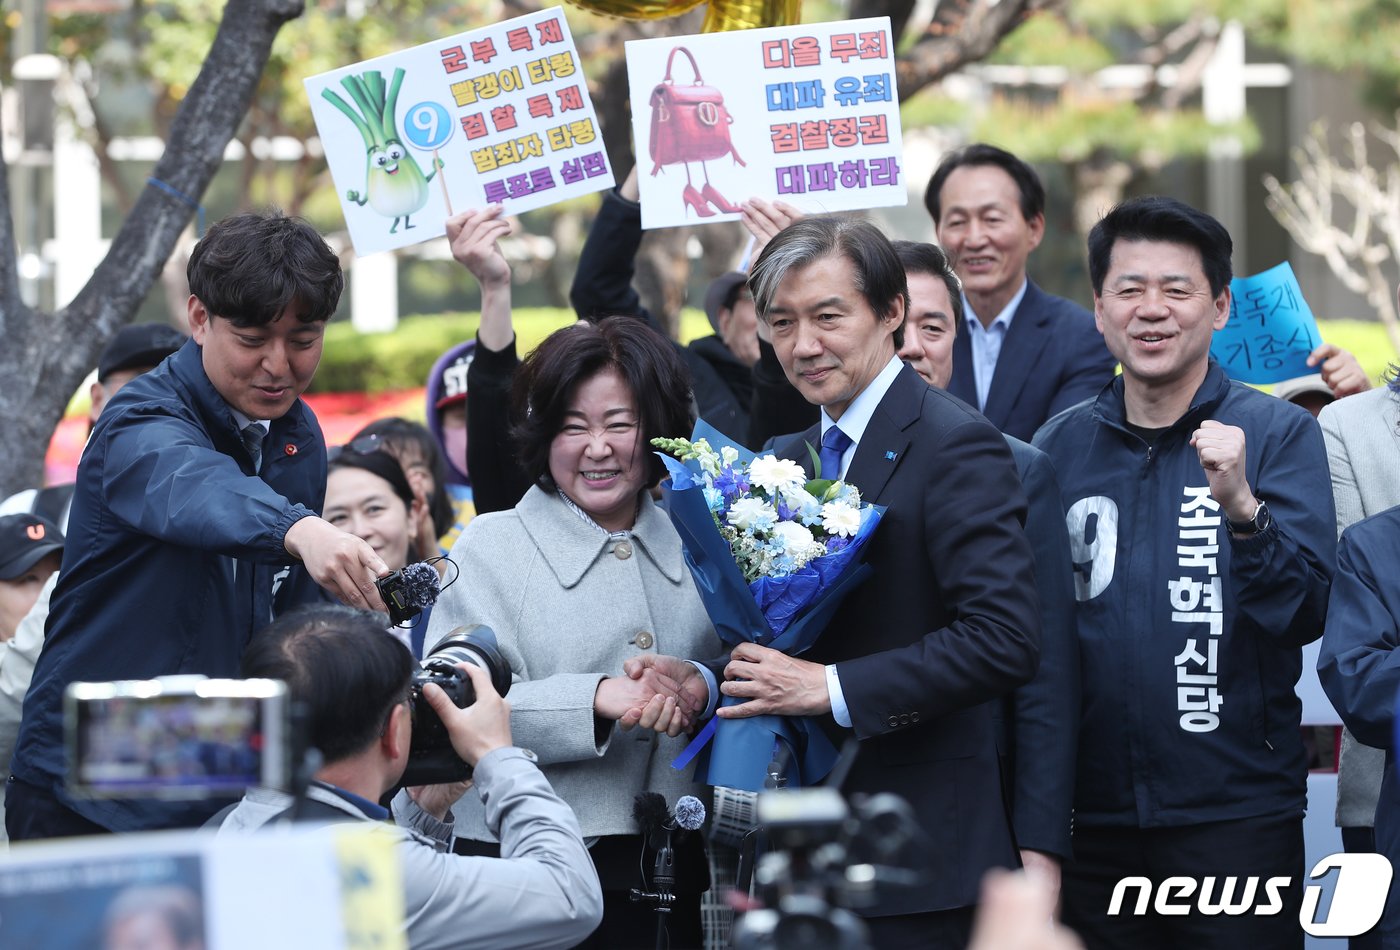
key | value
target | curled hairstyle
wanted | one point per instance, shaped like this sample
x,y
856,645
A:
x,y
1156,218
403,436
342,666
250,267
920,258
546,382
879,273
1027,181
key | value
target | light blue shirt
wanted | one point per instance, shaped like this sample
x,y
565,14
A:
x,y
853,422
986,342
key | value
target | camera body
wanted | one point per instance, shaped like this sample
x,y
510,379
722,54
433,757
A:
x,y
431,758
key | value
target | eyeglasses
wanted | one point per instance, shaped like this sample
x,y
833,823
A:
x,y
364,445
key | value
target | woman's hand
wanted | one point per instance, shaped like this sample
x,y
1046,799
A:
x,y
650,701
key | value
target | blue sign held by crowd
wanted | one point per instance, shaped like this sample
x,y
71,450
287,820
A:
x,y
1271,329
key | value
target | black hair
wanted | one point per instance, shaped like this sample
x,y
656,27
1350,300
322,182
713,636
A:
x,y
545,384
921,258
400,435
250,267
879,274
342,666
1158,218
1027,181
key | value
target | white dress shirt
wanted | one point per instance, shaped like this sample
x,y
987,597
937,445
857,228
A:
x,y
986,342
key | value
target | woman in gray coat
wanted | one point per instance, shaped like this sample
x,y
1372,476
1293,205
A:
x,y
583,573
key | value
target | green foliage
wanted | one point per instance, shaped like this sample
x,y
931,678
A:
x,y
1048,40
931,108
382,362
1073,131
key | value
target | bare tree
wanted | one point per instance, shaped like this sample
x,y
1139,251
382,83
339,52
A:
x,y
1347,210
46,355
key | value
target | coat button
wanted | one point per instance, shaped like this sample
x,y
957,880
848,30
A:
x,y
644,640
529,755
893,722
913,717
904,719
622,550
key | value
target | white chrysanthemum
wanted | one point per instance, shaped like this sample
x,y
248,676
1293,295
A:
x,y
773,474
752,514
842,519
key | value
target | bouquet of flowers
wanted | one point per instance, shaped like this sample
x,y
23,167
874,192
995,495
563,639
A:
x,y
773,554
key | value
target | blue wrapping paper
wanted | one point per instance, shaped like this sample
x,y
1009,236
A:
x,y
786,614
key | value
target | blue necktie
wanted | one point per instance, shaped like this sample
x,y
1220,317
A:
x,y
834,445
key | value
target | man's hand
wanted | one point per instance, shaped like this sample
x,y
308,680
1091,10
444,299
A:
x,y
437,800
1015,914
1046,868
473,236
650,700
684,678
1221,451
482,727
773,683
1340,370
764,220
340,562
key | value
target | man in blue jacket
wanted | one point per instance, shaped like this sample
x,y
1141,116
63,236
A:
x,y
194,521
1200,522
1359,666
1021,355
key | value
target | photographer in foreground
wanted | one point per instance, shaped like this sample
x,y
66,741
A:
x,y
354,682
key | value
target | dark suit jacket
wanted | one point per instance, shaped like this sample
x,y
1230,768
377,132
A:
x,y
1052,358
1040,729
948,623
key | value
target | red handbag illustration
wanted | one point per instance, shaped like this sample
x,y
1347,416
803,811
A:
x,y
691,124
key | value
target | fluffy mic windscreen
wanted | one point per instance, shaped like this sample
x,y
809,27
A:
x,y
650,813
421,585
690,813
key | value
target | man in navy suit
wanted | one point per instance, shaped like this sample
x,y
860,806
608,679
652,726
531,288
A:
x,y
1023,355
917,658
1039,724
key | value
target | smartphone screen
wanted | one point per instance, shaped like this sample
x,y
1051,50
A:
x,y
177,738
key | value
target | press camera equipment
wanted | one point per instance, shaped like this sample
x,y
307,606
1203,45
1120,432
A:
x,y
824,857
663,830
431,758
177,738
407,591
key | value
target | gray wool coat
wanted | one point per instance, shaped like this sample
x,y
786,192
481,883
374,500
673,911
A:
x,y
568,606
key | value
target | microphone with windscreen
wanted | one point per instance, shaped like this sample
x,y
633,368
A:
x,y
408,590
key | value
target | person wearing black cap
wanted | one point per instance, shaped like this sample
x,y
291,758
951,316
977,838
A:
x,y
136,349
721,366
30,548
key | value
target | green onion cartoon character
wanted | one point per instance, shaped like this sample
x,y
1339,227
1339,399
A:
x,y
395,186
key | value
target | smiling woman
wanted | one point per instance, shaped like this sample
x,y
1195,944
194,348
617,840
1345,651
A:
x,y
583,574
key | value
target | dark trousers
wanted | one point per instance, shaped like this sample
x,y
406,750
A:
x,y
1357,840
1252,847
32,813
936,930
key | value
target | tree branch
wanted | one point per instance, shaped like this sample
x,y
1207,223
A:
x,y
962,32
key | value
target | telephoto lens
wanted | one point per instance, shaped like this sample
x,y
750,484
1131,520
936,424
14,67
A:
x,y
431,758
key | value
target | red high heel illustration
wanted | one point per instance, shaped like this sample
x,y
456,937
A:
x,y
693,200
717,199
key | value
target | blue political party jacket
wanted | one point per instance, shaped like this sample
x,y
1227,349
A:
x,y
1189,637
174,558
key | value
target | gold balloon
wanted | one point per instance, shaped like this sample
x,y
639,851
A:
x,y
722,15
748,14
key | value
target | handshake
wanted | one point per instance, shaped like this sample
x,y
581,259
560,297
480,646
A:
x,y
669,694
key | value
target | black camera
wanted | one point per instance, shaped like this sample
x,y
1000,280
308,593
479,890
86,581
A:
x,y
431,758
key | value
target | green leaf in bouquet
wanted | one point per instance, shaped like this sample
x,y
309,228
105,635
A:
x,y
820,488
816,460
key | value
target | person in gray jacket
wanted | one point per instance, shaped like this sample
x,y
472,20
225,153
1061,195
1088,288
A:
x,y
541,892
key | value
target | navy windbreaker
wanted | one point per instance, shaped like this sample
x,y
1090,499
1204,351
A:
x,y
174,558
1189,638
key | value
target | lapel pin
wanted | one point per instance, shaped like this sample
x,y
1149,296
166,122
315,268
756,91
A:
x,y
290,449
890,456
